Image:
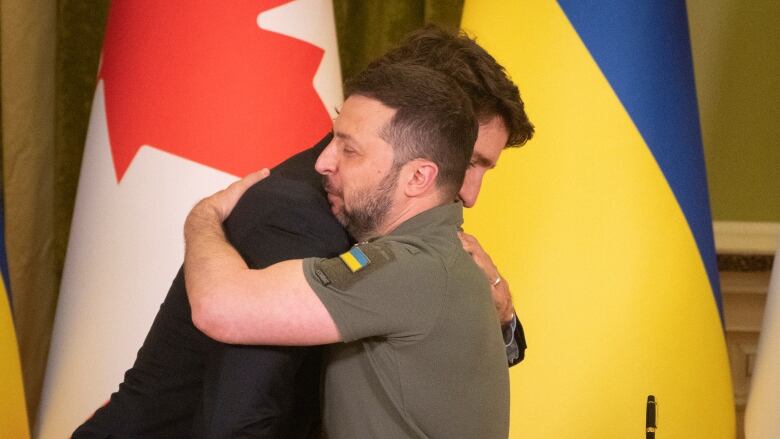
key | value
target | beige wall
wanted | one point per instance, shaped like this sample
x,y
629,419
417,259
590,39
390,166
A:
x,y
736,51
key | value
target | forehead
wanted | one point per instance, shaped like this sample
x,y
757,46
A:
x,y
362,118
491,140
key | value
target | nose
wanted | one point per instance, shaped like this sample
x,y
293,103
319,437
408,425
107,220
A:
x,y
326,162
470,190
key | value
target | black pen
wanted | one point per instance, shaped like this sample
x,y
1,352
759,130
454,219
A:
x,y
650,425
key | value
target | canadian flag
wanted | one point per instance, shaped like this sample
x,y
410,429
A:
x,y
188,98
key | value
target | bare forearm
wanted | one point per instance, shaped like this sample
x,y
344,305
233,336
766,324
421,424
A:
x,y
234,304
224,294
208,256
210,263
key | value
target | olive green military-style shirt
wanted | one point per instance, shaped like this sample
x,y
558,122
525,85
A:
x,y
422,355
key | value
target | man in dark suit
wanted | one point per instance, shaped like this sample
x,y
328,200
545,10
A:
x,y
180,372
184,384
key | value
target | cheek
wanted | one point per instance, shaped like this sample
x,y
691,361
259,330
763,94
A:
x,y
348,194
337,207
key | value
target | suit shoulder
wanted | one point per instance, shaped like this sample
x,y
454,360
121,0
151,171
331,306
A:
x,y
286,204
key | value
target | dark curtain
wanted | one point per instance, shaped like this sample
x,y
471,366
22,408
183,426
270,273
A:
x,y
367,28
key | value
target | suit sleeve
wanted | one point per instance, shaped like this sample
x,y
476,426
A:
x,y
514,341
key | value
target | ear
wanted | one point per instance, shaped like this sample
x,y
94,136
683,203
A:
x,y
420,177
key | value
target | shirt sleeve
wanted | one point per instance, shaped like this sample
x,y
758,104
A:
x,y
397,294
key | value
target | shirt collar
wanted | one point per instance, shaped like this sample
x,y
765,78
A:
x,y
447,215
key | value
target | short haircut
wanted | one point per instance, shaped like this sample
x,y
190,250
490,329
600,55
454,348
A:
x,y
484,80
434,119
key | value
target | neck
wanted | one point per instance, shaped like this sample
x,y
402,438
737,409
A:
x,y
401,212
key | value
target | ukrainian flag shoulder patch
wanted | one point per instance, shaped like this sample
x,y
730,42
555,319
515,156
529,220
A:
x,y
355,259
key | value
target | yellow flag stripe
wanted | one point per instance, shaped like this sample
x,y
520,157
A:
x,y
605,272
351,261
13,412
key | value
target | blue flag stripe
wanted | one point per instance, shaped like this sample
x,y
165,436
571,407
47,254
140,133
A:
x,y
359,256
3,259
651,72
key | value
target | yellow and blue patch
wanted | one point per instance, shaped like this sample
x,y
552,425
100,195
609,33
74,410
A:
x,y
349,268
355,259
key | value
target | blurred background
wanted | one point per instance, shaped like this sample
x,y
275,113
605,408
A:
x,y
50,51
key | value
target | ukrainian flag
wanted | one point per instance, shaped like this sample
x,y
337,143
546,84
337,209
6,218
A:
x,y
355,259
602,224
13,412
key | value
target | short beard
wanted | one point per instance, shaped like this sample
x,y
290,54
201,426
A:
x,y
364,220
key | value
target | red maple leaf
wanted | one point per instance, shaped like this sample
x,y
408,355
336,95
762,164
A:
x,y
202,81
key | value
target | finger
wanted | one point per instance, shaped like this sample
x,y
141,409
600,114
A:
x,y
466,240
466,236
256,176
225,200
467,247
472,241
239,187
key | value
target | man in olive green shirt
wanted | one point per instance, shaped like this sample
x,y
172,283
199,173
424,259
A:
x,y
413,320
421,353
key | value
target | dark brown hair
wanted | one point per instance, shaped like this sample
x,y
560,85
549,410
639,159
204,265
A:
x,y
434,119
477,73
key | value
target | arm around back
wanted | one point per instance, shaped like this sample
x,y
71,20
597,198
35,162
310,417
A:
x,y
235,304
